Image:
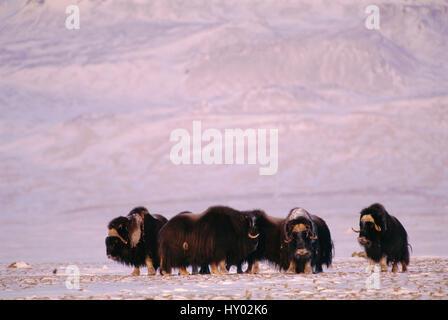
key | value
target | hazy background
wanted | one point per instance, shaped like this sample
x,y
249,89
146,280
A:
x,y
86,115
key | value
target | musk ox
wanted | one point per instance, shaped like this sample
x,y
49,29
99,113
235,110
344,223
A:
x,y
383,237
300,243
132,240
219,236
203,269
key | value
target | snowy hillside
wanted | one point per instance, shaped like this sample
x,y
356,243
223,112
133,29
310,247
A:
x,y
86,114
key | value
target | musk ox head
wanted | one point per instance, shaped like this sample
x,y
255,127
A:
x,y
299,233
125,234
372,223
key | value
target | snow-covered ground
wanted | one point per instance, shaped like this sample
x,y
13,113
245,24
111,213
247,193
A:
x,y
427,278
86,115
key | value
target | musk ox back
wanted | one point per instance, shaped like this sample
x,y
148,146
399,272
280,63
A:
x,y
300,243
132,240
383,237
218,236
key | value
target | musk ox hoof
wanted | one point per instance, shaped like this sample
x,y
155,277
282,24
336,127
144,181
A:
x,y
151,272
253,271
183,272
369,269
307,269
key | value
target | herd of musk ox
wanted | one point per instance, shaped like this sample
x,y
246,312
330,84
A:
x,y
213,241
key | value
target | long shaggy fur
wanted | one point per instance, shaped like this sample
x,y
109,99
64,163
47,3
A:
x,y
388,238
218,234
278,243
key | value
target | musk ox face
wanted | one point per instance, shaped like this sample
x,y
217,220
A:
x,y
299,239
300,234
370,229
117,241
124,235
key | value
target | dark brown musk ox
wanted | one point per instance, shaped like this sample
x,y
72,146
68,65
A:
x,y
383,237
217,237
204,269
301,243
132,240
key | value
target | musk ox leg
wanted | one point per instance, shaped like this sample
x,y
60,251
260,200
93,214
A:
x,y
136,272
404,266
255,267
222,267
165,272
318,268
394,266
383,264
307,268
194,269
183,271
369,269
204,269
151,270
292,267
214,268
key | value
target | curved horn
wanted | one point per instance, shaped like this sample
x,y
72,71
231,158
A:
x,y
313,226
293,214
285,233
357,231
253,236
114,233
135,229
300,212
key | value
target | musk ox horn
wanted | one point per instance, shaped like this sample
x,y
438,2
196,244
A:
x,y
135,229
300,212
293,214
369,218
114,233
253,236
357,231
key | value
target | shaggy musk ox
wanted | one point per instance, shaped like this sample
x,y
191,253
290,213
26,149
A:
x,y
132,240
216,237
383,237
299,243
